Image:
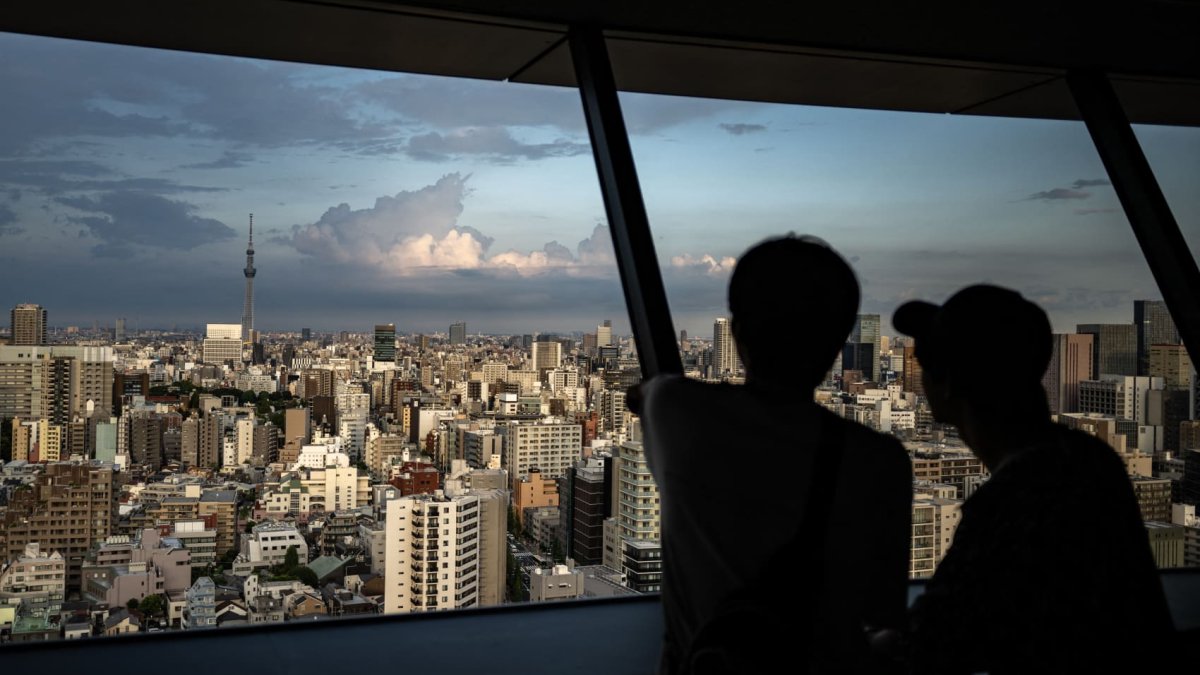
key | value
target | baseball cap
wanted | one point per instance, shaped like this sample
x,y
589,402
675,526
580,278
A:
x,y
951,337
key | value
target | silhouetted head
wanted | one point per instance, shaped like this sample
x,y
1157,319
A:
x,y
794,301
961,374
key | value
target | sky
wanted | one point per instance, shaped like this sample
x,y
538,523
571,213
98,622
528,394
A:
x,y
127,176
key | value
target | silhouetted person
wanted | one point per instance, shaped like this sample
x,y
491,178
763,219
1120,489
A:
x,y
735,467
1051,569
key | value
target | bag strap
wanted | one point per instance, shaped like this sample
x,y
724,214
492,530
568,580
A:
x,y
807,544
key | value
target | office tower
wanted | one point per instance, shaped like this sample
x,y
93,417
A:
x,y
527,342
248,304
604,335
1172,364
423,343
1070,364
306,334
119,330
69,509
587,502
1154,327
385,343
552,446
546,355
866,335
28,325
725,359
145,439
458,333
1114,347
222,343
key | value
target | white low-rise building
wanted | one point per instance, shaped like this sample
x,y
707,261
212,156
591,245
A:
x,y
269,543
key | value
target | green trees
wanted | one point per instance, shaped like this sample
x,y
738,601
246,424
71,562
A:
x,y
291,559
153,605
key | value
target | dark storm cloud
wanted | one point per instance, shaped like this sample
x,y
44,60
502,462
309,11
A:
x,y
491,143
742,129
122,219
1059,193
55,177
56,89
1093,182
227,160
7,218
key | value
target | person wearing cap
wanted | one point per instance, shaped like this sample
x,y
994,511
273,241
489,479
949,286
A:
x,y
1051,568
735,467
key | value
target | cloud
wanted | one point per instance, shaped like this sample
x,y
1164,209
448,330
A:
x,y
1088,212
135,218
7,218
741,129
493,143
1059,193
417,233
369,236
228,160
704,263
1076,191
60,176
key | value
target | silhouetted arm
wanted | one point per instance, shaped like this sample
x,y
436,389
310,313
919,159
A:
x,y
887,582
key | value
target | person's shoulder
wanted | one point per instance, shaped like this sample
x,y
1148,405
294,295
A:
x,y
675,389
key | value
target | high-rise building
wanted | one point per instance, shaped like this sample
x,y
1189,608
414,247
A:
x,y
306,334
28,324
60,383
725,359
912,370
248,303
1070,364
1154,327
385,343
587,503
1172,364
604,335
433,555
458,333
867,336
638,542
1114,347
546,355
69,509
222,343
119,330
551,446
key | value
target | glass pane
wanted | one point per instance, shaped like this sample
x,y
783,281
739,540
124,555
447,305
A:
x,y
421,311
1174,156
921,205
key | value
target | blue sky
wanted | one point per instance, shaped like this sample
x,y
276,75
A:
x,y
126,177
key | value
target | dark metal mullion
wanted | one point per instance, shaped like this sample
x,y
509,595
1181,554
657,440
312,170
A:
x,y
1166,251
637,263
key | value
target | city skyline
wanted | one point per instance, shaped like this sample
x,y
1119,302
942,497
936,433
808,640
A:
x,y
424,200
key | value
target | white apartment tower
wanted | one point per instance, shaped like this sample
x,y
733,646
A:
x,y
433,553
552,446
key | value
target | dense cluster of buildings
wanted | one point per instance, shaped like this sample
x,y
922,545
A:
x,y
170,481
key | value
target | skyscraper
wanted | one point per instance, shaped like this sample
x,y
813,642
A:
x,y
1154,327
867,338
725,357
1070,364
28,325
119,330
1114,347
248,305
385,343
458,333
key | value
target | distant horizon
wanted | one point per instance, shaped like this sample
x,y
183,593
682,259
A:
x,y
379,196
